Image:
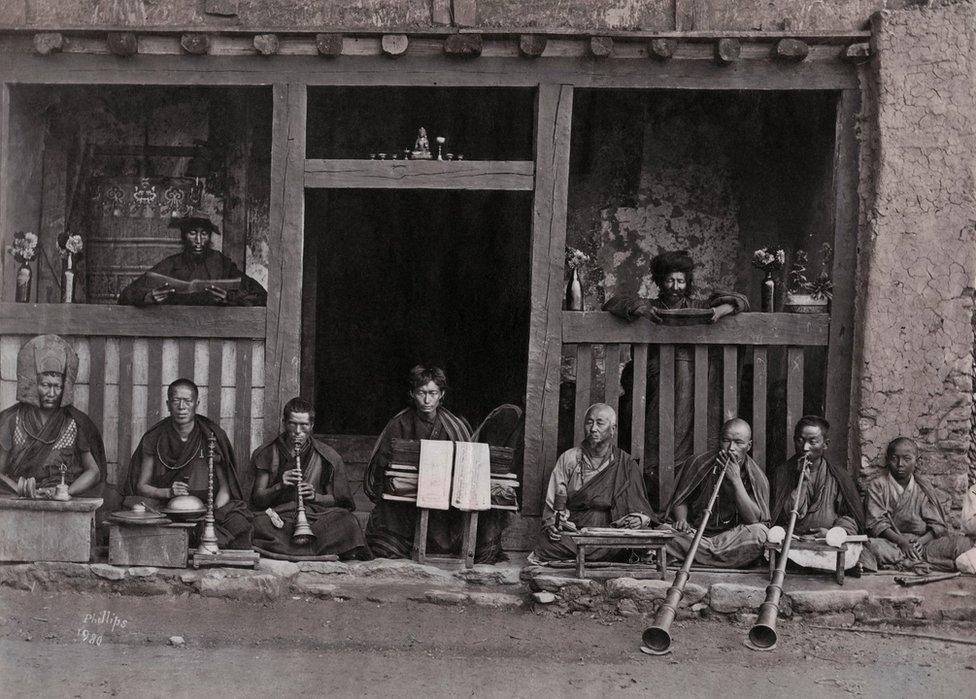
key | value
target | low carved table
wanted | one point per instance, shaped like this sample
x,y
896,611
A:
x,y
840,552
654,539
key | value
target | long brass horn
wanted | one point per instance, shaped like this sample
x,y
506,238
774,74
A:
x,y
303,533
656,640
762,635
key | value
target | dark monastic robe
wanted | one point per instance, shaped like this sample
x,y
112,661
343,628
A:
x,y
174,459
335,527
37,450
913,512
830,498
728,541
614,491
626,307
391,526
186,266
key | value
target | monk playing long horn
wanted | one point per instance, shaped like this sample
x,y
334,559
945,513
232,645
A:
x,y
736,530
603,486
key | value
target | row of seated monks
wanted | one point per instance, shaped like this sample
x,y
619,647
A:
x,y
44,438
255,503
598,484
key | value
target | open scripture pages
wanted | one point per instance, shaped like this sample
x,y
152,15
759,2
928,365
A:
x,y
472,476
434,478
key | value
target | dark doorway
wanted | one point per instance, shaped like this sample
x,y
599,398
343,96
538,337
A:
x,y
397,278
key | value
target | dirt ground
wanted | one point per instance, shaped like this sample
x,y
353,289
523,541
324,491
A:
x,y
66,644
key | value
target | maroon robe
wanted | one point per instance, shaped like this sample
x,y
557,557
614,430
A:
x,y
186,266
336,529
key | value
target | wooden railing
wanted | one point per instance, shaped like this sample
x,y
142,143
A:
x,y
751,338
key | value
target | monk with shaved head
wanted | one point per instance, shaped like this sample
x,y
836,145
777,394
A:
x,y
593,485
736,530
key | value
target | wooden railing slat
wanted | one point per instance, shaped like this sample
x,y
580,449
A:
x,y
125,404
794,392
611,391
215,361
666,424
96,383
701,398
154,385
730,382
638,403
584,375
242,419
187,360
760,368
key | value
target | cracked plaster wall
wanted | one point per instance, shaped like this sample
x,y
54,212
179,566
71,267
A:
x,y
918,255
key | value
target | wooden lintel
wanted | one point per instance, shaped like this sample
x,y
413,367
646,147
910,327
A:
x,y
532,45
266,44
394,44
601,46
46,43
195,44
727,51
798,329
122,43
467,45
857,53
328,44
791,50
517,175
662,49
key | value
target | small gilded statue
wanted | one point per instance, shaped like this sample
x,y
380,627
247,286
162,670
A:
x,y
421,147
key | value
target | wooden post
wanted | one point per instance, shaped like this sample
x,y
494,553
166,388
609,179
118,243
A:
x,y
122,43
791,50
4,176
46,43
601,46
727,51
532,45
266,44
394,45
465,45
195,44
329,45
553,126
842,448
662,49
282,353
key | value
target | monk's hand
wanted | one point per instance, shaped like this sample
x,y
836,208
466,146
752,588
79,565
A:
x,y
553,531
217,293
627,522
909,549
681,525
160,294
291,477
648,311
178,488
733,471
917,548
306,490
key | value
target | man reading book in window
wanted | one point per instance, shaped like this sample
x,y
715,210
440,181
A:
x,y
198,276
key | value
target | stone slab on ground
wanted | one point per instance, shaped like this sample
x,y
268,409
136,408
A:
x,y
821,601
652,590
733,597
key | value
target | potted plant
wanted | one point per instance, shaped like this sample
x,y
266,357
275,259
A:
x,y
71,247
24,251
803,295
574,287
769,260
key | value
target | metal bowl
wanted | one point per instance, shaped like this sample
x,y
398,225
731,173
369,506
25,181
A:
x,y
185,506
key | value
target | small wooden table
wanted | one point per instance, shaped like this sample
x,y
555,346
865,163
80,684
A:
x,y
47,530
159,546
468,538
656,539
806,545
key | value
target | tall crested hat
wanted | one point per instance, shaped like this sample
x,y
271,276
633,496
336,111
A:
x,y
46,354
188,223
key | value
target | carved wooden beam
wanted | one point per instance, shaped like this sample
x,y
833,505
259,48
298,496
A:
x,y
46,43
122,43
662,49
601,46
463,45
791,50
394,44
727,51
329,44
196,44
532,45
266,44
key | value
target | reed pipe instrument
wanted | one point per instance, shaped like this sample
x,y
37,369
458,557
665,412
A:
x,y
762,636
303,533
656,640
208,540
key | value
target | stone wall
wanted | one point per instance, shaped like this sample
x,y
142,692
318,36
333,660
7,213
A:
x,y
918,246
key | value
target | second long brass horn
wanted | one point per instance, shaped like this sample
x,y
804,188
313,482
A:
x,y
762,636
656,640
303,533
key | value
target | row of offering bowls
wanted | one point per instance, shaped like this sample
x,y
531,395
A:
x,y
412,155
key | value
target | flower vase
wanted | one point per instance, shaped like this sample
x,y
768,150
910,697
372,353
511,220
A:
x,y
68,279
574,292
24,275
768,293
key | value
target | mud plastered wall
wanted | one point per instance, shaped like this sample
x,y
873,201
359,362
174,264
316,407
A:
x,y
918,255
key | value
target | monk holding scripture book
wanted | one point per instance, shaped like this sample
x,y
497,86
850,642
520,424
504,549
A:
x,y
198,276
